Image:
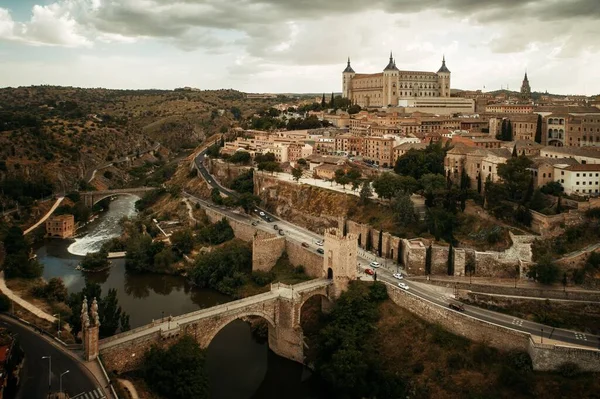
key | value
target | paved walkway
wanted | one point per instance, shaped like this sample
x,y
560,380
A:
x,y
129,387
46,216
23,303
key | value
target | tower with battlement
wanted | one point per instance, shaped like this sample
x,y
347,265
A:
x,y
340,259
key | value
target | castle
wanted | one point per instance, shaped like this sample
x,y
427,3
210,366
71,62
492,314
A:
x,y
393,87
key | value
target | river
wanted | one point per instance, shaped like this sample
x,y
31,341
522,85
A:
x,y
238,364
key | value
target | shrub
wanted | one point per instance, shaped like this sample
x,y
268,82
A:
x,y
4,303
262,278
568,369
378,292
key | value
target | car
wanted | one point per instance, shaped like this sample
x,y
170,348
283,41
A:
x,y
403,286
319,243
398,276
320,250
269,219
305,245
369,272
275,227
280,232
262,213
254,223
374,264
456,306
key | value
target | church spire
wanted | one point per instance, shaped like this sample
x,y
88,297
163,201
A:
x,y
443,68
348,67
391,66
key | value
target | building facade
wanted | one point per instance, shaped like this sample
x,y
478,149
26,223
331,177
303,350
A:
x,y
387,88
62,226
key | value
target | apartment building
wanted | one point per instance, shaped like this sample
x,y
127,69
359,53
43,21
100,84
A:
x,y
349,144
579,179
583,155
509,108
380,150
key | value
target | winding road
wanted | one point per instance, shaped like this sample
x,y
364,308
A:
x,y
433,294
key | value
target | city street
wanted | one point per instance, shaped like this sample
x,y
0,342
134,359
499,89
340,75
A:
x,y
34,383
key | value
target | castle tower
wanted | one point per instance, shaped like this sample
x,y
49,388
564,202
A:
x,y
90,330
347,76
444,79
390,80
525,88
339,262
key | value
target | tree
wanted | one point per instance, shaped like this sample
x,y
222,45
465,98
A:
x,y
564,282
236,112
479,183
369,242
365,192
183,241
240,157
404,209
213,151
417,163
387,184
341,178
323,103
15,242
529,192
269,166
216,233
545,271
451,260
95,261
538,201
248,201
215,196
465,181
302,162
380,243
516,175
353,176
224,268
297,173
428,260
332,102
244,183
21,265
514,151
538,130
441,223
267,157
559,207
56,290
178,372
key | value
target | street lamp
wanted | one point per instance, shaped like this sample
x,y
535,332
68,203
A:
x,y
60,380
49,371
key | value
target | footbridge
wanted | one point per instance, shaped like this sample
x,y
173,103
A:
x,y
280,307
90,198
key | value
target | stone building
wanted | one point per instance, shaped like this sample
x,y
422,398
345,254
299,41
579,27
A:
x,y
525,88
387,88
62,226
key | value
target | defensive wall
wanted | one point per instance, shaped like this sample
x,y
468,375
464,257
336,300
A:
x,y
242,230
266,249
552,225
224,172
544,357
576,295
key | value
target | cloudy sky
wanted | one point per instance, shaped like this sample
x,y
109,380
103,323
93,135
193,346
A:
x,y
298,45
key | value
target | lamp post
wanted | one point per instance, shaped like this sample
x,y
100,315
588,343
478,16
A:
x,y
60,380
49,371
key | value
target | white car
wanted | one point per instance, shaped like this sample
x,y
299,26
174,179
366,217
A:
x,y
403,286
262,213
319,243
374,264
398,276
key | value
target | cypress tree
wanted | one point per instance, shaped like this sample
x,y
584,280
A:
x,y
332,101
559,205
509,131
380,244
369,244
323,103
479,182
428,260
451,260
529,192
514,152
400,254
538,130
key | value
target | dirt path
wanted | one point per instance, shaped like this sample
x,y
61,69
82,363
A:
x,y
46,216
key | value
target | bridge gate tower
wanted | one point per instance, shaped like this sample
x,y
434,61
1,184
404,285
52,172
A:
x,y
339,262
90,329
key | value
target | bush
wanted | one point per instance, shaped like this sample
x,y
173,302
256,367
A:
x,y
519,361
262,278
216,233
568,369
378,292
4,303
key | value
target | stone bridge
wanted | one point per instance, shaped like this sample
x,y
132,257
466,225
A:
x,y
90,198
280,307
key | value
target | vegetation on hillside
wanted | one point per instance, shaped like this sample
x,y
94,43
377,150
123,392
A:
x,y
18,261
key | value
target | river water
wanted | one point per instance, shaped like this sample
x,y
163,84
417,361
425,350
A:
x,y
238,364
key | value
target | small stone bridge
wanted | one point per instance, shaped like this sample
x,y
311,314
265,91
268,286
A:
x,y
90,198
280,307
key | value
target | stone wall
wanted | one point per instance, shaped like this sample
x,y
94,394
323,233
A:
x,y
552,225
590,296
439,260
243,231
358,229
460,259
414,253
311,260
225,172
266,249
544,357
550,357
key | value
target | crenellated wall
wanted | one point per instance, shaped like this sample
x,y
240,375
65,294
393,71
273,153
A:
x,y
266,249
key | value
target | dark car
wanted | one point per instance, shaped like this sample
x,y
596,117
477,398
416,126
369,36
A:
x,y
456,306
275,227
305,244
268,219
254,223
280,232
320,250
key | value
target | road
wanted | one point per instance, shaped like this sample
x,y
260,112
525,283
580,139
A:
x,y
34,383
46,216
424,291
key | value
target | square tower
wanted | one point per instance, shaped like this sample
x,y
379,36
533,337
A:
x,y
339,262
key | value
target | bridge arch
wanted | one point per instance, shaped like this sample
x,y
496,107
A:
x,y
206,337
105,196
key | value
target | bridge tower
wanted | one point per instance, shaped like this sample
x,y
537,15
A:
x,y
90,330
339,262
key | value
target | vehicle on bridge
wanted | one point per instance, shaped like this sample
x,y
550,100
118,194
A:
x,y
398,276
321,251
403,286
374,264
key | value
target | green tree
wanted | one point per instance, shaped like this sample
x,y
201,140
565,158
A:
x,y
297,173
465,181
95,260
56,290
417,163
341,178
538,130
183,241
266,157
213,151
451,260
538,200
269,166
323,103
244,183
428,259
236,112
216,233
223,269
332,102
559,207
164,259
516,176
178,372
387,185
215,196
479,187
404,209
21,265
365,192
15,242
240,157
248,201
545,271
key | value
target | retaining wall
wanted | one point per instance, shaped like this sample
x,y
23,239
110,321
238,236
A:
x,y
266,249
311,260
243,231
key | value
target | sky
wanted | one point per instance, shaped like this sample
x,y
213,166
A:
x,y
298,46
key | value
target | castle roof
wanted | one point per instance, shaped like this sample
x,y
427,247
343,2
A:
x,y
348,67
444,68
391,66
